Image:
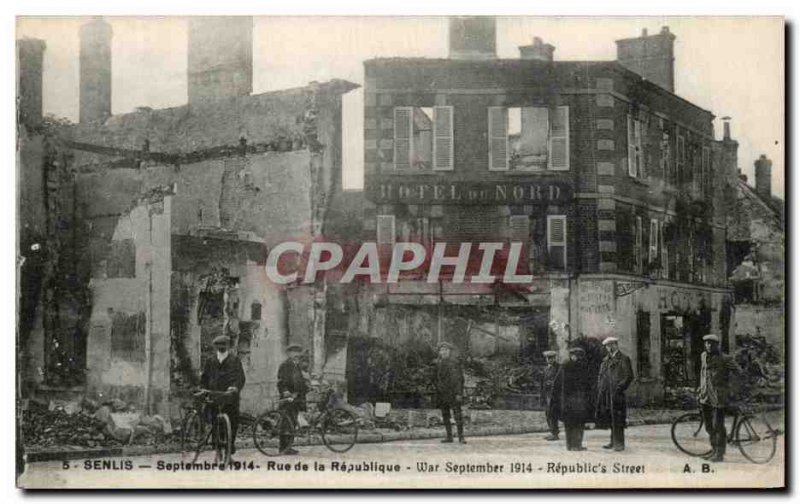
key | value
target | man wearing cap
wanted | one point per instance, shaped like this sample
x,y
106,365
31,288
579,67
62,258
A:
x,y
616,374
450,391
546,393
572,397
713,394
292,387
224,373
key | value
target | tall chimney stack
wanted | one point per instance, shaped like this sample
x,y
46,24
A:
x,y
538,51
473,37
764,177
651,56
30,59
95,71
220,57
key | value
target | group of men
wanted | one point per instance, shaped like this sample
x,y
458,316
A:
x,y
570,395
569,392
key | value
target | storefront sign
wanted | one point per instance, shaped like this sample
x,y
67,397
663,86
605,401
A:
x,y
468,192
681,300
622,289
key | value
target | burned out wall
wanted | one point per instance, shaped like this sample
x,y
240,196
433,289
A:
x,y
128,343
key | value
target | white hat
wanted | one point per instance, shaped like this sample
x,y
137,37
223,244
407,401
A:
x,y
610,339
711,337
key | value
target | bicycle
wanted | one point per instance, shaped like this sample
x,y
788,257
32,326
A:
x,y
196,432
755,436
337,427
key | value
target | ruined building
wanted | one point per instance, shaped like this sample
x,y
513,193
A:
x,y
611,181
171,214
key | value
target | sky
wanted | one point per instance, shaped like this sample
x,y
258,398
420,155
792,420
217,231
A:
x,y
731,66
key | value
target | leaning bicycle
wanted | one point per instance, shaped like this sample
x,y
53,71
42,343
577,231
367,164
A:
x,y
337,426
754,434
206,425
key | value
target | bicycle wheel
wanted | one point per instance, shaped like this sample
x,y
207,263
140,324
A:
x,y
224,440
191,430
268,429
689,435
339,430
756,438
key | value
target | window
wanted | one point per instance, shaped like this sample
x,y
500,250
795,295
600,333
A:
x,y
666,159
519,228
664,254
680,160
443,138
637,246
643,343
705,170
385,229
423,138
128,336
652,256
255,311
529,138
635,153
557,241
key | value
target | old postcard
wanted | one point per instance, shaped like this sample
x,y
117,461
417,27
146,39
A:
x,y
400,252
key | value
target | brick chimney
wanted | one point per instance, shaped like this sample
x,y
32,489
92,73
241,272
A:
x,y
651,56
538,51
30,58
473,37
95,71
220,57
764,177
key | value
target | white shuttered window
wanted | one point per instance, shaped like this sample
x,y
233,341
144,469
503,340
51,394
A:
x,y
557,241
402,137
558,155
498,138
443,138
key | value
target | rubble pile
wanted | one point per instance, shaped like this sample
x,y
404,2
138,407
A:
x,y
86,424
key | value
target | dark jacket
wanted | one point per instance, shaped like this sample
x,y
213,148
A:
x,y
616,374
572,399
449,379
290,379
548,381
717,379
218,376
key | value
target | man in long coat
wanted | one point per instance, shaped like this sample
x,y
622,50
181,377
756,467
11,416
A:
x,y
450,391
616,374
292,387
716,373
224,373
546,393
572,397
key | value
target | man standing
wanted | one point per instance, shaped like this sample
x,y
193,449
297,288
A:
x,y
716,370
224,373
548,380
450,391
292,388
616,374
572,397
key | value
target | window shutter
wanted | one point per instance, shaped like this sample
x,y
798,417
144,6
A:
x,y
519,228
402,138
653,254
557,241
443,138
498,138
386,232
706,178
638,244
631,148
637,142
664,255
558,158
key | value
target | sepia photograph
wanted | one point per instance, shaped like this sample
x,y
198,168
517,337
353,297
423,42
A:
x,y
400,252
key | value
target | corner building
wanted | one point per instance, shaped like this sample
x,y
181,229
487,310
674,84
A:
x,y
615,185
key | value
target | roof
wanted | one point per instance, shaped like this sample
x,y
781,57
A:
x,y
749,206
260,118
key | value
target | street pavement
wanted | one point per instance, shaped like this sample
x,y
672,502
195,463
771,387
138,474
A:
x,y
514,461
